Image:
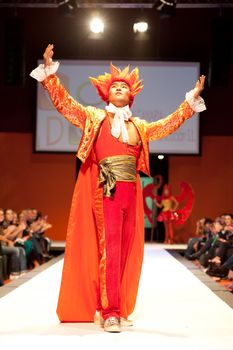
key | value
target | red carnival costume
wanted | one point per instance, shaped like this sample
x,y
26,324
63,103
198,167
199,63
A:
x,y
104,227
169,214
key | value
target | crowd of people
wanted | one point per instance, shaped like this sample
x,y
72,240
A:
x,y
22,241
212,246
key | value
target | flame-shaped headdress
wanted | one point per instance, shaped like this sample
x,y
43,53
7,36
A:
x,y
103,82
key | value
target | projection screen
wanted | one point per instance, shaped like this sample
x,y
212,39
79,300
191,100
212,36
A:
x,y
165,85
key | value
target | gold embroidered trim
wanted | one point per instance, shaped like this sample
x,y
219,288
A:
x,y
99,216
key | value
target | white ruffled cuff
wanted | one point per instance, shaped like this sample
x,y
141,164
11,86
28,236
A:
x,y
197,104
42,72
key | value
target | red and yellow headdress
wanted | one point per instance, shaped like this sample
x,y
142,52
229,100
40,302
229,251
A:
x,y
103,82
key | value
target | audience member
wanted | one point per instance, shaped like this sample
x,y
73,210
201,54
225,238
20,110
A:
x,y
215,251
22,240
203,234
17,256
228,222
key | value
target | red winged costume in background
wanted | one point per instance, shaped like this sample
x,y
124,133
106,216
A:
x,y
169,214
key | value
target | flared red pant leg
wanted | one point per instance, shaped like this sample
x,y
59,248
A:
x,y
120,220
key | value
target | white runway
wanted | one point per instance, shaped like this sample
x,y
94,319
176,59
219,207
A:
x,y
174,310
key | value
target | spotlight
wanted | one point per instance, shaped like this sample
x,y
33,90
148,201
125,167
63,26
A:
x,y
140,27
161,156
97,25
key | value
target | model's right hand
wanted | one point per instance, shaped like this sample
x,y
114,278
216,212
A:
x,y
48,55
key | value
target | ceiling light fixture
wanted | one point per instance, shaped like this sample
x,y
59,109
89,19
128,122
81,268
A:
x,y
97,25
140,27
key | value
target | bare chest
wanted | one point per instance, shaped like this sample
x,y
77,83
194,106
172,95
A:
x,y
134,138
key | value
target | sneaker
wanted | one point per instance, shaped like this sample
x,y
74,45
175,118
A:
x,y
125,322
22,273
220,271
112,324
14,276
98,319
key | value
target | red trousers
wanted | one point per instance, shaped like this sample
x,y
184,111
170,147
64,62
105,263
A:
x,y
120,219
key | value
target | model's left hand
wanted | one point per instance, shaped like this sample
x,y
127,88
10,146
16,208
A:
x,y
199,86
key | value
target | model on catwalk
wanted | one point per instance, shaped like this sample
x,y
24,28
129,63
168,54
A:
x,y
105,238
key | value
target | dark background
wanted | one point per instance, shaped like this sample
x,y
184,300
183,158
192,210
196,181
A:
x,y
192,34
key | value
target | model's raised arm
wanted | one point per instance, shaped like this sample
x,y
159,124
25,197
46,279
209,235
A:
x,y
73,111
192,104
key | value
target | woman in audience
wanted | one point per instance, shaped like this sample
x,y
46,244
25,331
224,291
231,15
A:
x,y
22,239
16,255
228,219
38,226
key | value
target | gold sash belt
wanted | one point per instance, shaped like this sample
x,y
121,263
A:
x,y
116,168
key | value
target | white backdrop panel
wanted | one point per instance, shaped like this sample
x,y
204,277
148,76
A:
x,y
165,85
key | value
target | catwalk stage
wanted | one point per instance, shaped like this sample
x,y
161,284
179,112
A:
x,y
175,310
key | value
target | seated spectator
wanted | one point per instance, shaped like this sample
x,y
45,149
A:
x,y
23,240
1,218
218,245
229,222
1,266
38,225
208,250
16,255
31,215
203,233
32,238
224,247
10,226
